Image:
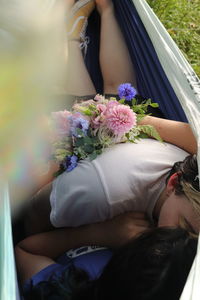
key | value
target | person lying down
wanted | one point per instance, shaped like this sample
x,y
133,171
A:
x,y
158,179
154,264
127,177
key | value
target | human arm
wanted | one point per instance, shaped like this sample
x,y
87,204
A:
x,y
174,132
39,251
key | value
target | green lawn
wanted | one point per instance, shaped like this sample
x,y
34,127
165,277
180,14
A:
x,y
182,20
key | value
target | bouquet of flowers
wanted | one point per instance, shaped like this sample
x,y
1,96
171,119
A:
x,y
93,125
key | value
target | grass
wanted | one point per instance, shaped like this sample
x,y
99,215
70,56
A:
x,y
181,19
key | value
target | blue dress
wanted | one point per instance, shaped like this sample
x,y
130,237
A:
x,y
91,259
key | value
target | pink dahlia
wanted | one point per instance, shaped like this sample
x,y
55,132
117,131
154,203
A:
x,y
112,103
120,119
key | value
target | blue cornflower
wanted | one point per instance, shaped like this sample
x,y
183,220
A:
x,y
79,122
126,91
70,163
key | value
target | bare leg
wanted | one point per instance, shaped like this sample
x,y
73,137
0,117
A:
x,y
78,81
116,65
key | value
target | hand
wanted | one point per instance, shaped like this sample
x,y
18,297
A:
x,y
120,229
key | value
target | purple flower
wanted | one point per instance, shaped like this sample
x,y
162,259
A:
x,y
70,163
126,91
78,122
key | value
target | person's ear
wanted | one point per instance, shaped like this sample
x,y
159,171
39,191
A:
x,y
172,183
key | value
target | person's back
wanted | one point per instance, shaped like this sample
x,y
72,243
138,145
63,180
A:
x,y
126,177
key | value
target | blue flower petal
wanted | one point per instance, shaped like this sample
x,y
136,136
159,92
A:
x,y
70,163
126,91
81,123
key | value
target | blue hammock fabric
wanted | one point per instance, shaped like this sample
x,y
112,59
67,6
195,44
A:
x,y
152,81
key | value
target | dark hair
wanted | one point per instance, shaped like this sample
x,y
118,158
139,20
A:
x,y
187,171
153,266
63,287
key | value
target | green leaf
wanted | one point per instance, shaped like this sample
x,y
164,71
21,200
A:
x,y
87,112
88,140
147,102
79,132
79,142
121,101
140,117
150,131
95,140
93,155
134,101
143,135
138,109
79,151
88,148
154,105
60,154
99,151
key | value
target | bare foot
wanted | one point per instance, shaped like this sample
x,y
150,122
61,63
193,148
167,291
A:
x,y
104,5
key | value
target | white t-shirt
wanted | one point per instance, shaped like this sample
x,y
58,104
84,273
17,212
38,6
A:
x,y
126,177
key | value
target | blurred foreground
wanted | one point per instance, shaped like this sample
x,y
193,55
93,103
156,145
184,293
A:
x,y
31,59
